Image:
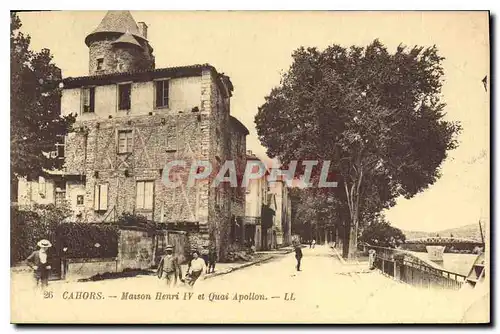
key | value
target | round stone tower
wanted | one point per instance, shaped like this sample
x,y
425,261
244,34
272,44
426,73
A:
x,y
118,44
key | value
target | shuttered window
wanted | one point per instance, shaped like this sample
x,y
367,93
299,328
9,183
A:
x,y
124,91
88,99
125,143
60,143
101,197
162,94
144,195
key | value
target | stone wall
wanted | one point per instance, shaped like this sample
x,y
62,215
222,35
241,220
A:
x,y
238,155
135,250
158,137
86,268
119,58
156,140
217,152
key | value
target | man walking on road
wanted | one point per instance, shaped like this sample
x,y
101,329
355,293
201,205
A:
x,y
298,255
169,267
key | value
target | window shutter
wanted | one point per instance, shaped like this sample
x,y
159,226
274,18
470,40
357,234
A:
x,y
165,93
96,197
92,99
42,186
122,142
139,204
148,195
128,91
85,99
103,205
124,97
121,105
130,136
159,93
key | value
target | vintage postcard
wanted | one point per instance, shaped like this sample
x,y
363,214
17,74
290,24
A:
x,y
250,167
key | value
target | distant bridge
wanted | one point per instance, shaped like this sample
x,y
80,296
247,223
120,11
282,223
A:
x,y
444,241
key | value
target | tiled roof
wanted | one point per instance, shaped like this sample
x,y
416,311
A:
x,y
161,71
118,21
145,75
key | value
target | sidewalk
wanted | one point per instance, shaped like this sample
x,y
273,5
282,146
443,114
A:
x,y
382,294
259,257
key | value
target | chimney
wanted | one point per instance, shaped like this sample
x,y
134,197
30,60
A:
x,y
143,29
249,152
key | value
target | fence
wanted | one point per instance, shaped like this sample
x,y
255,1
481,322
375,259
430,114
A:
x,y
407,268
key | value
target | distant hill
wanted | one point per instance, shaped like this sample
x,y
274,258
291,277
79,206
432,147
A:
x,y
468,231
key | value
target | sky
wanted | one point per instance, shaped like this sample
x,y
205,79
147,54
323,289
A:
x,y
254,49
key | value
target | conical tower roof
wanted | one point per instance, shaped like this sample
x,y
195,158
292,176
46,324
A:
x,y
116,21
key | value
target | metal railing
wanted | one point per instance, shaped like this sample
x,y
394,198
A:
x,y
407,268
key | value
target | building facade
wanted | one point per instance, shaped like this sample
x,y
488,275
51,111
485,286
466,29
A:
x,y
256,201
282,228
133,119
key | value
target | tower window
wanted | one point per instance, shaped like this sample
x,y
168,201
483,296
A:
x,y
100,63
79,199
88,102
162,94
124,92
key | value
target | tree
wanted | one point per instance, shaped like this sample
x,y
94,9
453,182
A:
x,y
381,233
376,116
36,124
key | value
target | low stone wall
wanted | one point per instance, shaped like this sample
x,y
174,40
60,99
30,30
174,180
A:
x,y
135,249
85,268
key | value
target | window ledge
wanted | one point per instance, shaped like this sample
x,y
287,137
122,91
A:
x,y
161,108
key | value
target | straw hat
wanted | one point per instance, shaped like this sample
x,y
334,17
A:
x,y
169,247
44,243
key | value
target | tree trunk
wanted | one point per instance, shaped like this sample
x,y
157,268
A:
x,y
353,242
345,241
353,202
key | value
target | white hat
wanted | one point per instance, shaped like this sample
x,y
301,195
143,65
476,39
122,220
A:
x,y
44,243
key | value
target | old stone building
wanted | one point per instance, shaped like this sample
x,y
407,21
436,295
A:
x,y
132,119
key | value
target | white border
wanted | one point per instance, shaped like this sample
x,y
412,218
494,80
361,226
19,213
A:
x,y
199,5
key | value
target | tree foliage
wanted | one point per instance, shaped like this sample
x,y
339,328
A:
x,y
381,233
36,123
27,227
376,116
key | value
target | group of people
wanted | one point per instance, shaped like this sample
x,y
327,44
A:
x,y
170,269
